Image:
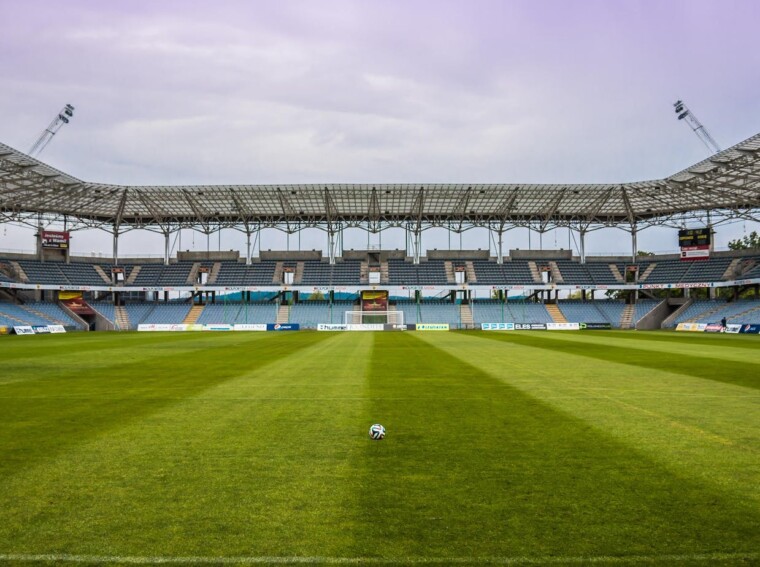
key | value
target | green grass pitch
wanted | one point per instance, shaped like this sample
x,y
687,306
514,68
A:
x,y
502,448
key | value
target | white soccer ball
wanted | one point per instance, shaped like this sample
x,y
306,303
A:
x,y
377,432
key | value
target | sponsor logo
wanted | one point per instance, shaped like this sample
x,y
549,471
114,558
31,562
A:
x,y
23,330
713,328
530,326
331,327
751,329
595,326
691,327
562,326
283,327
733,328
4,330
40,329
432,327
56,329
497,326
217,327
249,327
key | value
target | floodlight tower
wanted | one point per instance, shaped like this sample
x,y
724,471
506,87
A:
x,y
685,114
63,118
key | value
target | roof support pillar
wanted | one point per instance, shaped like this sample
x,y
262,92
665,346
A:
x,y
634,245
166,247
500,250
332,244
416,245
247,246
582,244
115,245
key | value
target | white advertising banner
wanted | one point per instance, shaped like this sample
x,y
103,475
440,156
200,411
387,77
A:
x,y
331,327
23,330
215,327
56,329
249,327
163,327
563,326
497,326
367,327
432,327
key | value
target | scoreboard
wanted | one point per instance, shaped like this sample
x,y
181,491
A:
x,y
694,237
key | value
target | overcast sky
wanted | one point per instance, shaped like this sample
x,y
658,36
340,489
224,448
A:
x,y
170,92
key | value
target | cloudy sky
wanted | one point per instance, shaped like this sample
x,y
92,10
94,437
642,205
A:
x,y
245,91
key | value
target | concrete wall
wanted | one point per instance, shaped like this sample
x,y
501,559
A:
x,y
458,254
541,254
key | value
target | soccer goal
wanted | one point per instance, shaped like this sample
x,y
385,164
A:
x,y
374,317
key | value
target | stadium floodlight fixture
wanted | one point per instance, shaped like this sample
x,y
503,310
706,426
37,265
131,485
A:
x,y
683,112
64,116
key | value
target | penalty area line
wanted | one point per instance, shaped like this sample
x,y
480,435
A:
x,y
294,560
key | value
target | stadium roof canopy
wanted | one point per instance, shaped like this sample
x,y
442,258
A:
x,y
727,186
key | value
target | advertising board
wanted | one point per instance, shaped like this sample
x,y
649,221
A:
x,y
497,326
40,329
713,328
163,327
217,327
530,326
750,329
54,239
4,330
249,327
23,330
691,327
595,326
283,327
733,328
332,327
432,327
562,326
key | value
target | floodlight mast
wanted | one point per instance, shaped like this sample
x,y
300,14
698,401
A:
x,y
66,113
685,114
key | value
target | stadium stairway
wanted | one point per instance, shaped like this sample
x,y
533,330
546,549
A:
x,y
470,271
626,318
283,314
649,270
616,273
556,274
133,275
192,277
192,316
448,266
122,317
465,316
534,272
214,273
20,271
556,315
102,274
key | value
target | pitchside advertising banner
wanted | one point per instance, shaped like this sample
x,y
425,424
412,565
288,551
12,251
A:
x,y
497,326
283,327
23,330
4,330
431,327
733,328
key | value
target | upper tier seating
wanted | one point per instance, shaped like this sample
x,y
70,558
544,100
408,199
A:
x,y
237,274
516,272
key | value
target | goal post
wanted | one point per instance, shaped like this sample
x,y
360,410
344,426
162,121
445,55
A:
x,y
374,317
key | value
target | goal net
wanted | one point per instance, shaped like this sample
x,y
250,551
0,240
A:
x,y
374,317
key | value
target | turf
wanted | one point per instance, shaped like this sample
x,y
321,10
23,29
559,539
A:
x,y
523,448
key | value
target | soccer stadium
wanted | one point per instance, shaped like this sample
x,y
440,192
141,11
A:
x,y
197,439
417,400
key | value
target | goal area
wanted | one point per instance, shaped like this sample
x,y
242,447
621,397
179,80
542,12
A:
x,y
374,317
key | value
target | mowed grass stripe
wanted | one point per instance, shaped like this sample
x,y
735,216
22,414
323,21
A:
x,y
741,373
723,349
696,428
501,473
31,429
234,475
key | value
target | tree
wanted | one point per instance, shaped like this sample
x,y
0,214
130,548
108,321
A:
x,y
749,242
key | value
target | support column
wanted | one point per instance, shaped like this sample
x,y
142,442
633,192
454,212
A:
x,y
166,248
416,245
331,245
247,247
500,251
116,246
582,243
634,245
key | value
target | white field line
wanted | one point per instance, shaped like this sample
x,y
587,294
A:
x,y
279,560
